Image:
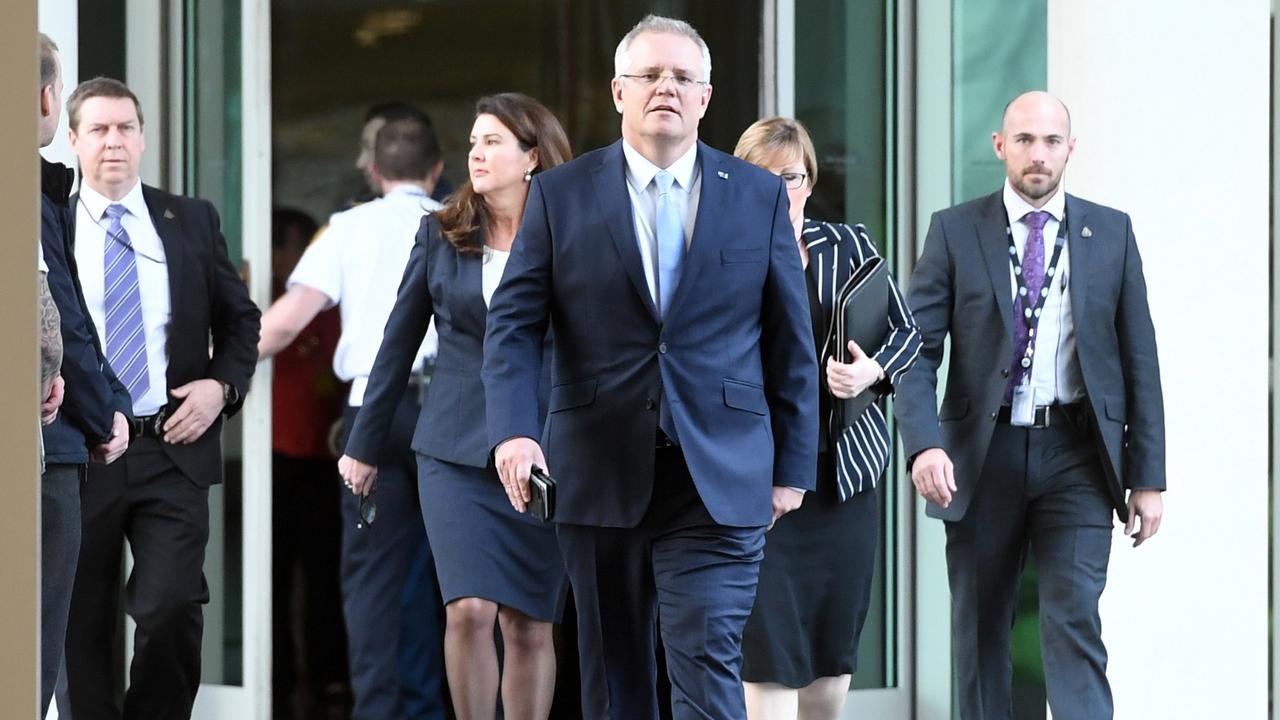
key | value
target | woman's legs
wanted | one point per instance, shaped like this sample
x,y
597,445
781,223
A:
x,y
823,699
528,668
471,660
771,701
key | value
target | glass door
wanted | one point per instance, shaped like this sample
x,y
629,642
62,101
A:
x,y
218,112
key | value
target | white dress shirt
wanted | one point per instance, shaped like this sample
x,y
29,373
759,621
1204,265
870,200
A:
x,y
644,203
153,281
495,262
358,261
1055,368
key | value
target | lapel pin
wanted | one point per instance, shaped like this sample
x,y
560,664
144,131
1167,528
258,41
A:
x,y
168,214
1086,232
723,175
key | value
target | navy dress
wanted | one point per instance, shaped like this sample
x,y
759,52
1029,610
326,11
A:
x,y
483,548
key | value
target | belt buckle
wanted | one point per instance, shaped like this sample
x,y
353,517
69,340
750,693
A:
x,y
157,423
1044,414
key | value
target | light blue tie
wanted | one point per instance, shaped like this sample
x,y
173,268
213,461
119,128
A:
x,y
126,338
669,227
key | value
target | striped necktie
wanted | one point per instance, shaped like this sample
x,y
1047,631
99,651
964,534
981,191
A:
x,y
126,337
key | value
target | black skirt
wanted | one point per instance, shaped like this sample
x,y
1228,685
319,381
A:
x,y
814,590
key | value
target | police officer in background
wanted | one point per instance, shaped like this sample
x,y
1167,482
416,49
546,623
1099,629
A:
x,y
356,263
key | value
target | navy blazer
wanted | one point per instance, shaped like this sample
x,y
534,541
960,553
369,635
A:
x,y
961,286
859,452
438,281
93,394
733,357
213,326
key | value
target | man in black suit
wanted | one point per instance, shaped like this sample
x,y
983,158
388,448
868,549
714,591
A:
x,y
180,332
1053,411
96,408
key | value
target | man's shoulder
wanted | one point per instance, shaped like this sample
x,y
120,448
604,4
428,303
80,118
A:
x,y
159,202
580,168
971,208
1096,212
730,165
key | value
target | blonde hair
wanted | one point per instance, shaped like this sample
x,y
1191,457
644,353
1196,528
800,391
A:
x,y
778,138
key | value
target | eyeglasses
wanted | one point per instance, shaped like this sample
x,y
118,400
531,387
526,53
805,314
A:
x,y
794,181
366,510
683,82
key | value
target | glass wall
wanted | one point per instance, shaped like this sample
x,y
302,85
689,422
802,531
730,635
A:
x,y
332,60
844,95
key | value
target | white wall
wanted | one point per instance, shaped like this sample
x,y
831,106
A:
x,y
1170,100
59,20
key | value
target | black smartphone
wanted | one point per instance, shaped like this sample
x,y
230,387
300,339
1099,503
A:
x,y
542,495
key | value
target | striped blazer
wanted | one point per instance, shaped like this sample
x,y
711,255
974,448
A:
x,y
861,452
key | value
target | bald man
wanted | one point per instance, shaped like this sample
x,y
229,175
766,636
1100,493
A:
x,y
1053,417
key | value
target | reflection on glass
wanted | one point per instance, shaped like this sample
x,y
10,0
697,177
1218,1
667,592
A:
x,y
843,96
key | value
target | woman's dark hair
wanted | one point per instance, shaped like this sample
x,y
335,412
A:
x,y
465,217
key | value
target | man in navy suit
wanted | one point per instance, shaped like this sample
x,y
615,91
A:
x,y
683,408
1053,412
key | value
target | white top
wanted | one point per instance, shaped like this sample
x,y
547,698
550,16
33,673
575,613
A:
x,y
495,261
40,264
153,280
358,261
1055,369
685,192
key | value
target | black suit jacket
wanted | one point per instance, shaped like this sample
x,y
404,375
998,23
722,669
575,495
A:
x,y
213,329
93,394
961,286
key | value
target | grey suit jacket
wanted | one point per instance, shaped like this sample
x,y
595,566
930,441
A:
x,y
961,287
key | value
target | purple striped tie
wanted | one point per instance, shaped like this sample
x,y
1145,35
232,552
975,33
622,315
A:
x,y
126,337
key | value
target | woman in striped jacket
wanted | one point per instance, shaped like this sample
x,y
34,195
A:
x,y
800,644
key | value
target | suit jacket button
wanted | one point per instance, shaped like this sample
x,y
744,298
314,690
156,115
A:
x,y
662,348
648,403
1004,372
994,415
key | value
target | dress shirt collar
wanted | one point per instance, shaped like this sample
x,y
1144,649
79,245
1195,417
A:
x,y
640,171
407,189
96,203
1016,207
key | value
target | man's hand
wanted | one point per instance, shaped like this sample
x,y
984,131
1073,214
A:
x,y
201,403
934,476
513,458
107,452
846,380
359,476
49,408
1149,506
785,499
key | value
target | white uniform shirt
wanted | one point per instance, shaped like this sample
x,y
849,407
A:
x,y
358,262
153,281
1055,369
644,203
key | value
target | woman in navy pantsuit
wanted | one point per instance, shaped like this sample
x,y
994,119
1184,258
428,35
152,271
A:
x,y
494,564
800,644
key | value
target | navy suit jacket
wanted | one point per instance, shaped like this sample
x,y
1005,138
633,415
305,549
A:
x,y
961,286
441,282
733,357
213,326
93,394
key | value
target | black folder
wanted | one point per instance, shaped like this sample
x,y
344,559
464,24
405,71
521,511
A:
x,y
861,315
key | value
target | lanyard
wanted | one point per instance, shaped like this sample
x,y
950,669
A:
x,y
1031,315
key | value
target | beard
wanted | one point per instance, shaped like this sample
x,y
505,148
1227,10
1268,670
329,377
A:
x,y
1028,188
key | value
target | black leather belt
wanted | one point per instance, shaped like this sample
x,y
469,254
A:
x,y
1044,415
150,426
